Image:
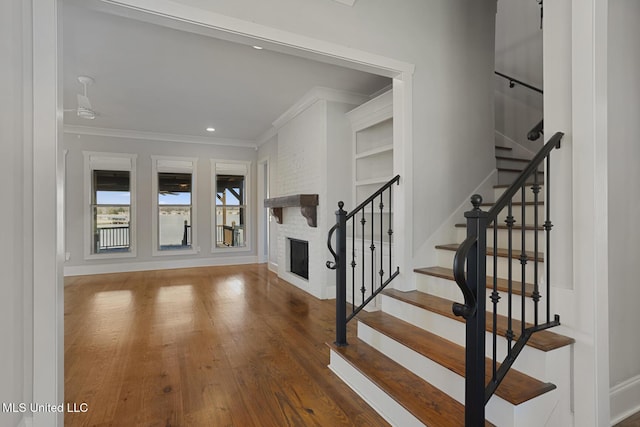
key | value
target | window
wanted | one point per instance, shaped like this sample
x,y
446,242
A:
x,y
230,221
110,218
174,205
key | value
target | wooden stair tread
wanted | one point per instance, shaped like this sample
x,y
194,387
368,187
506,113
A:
x,y
509,185
516,388
515,159
501,252
503,284
528,227
514,170
427,403
543,340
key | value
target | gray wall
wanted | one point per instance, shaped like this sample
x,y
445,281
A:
x,y
145,149
15,256
624,189
518,54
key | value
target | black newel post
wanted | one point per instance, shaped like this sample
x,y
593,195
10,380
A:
x,y
341,276
475,328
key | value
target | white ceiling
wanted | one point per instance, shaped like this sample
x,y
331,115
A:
x,y
152,78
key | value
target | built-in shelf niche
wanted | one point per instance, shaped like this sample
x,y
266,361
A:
x,y
372,135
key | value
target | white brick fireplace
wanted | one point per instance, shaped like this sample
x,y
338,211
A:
x,y
314,157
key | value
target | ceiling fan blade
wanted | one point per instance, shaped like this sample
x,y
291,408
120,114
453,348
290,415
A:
x,y
83,102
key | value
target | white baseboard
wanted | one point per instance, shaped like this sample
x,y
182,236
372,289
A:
x,y
273,266
625,399
81,270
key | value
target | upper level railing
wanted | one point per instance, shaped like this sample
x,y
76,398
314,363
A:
x,y
536,132
513,81
538,129
473,253
361,232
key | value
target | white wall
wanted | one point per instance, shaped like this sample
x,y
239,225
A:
x,y
451,42
518,54
15,258
145,149
269,151
339,160
624,204
575,102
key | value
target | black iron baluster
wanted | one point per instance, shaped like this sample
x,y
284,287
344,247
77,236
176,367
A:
x,y
353,265
373,248
536,224
523,258
363,289
381,272
510,221
390,231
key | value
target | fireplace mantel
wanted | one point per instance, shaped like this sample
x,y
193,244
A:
x,y
306,202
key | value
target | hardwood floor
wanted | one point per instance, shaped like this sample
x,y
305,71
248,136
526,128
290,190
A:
x,y
218,346
632,421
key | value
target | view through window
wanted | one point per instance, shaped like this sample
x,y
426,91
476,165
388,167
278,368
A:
x,y
111,204
174,210
230,210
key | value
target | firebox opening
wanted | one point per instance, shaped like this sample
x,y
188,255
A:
x,y
299,257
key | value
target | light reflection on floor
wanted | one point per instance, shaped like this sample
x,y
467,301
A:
x,y
110,314
176,303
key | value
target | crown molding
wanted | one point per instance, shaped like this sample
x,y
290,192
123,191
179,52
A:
x,y
157,136
266,136
316,94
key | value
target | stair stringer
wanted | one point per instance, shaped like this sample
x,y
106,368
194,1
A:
x,y
380,401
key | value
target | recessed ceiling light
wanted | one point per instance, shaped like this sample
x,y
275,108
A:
x,y
258,47
210,129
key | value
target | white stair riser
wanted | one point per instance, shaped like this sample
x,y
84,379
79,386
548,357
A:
x,y
509,163
529,196
503,238
531,361
507,177
381,402
445,259
446,288
516,211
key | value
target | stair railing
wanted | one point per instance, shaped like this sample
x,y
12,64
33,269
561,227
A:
x,y
538,129
365,227
536,132
513,82
473,252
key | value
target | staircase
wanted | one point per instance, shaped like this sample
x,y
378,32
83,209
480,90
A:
x,y
408,359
